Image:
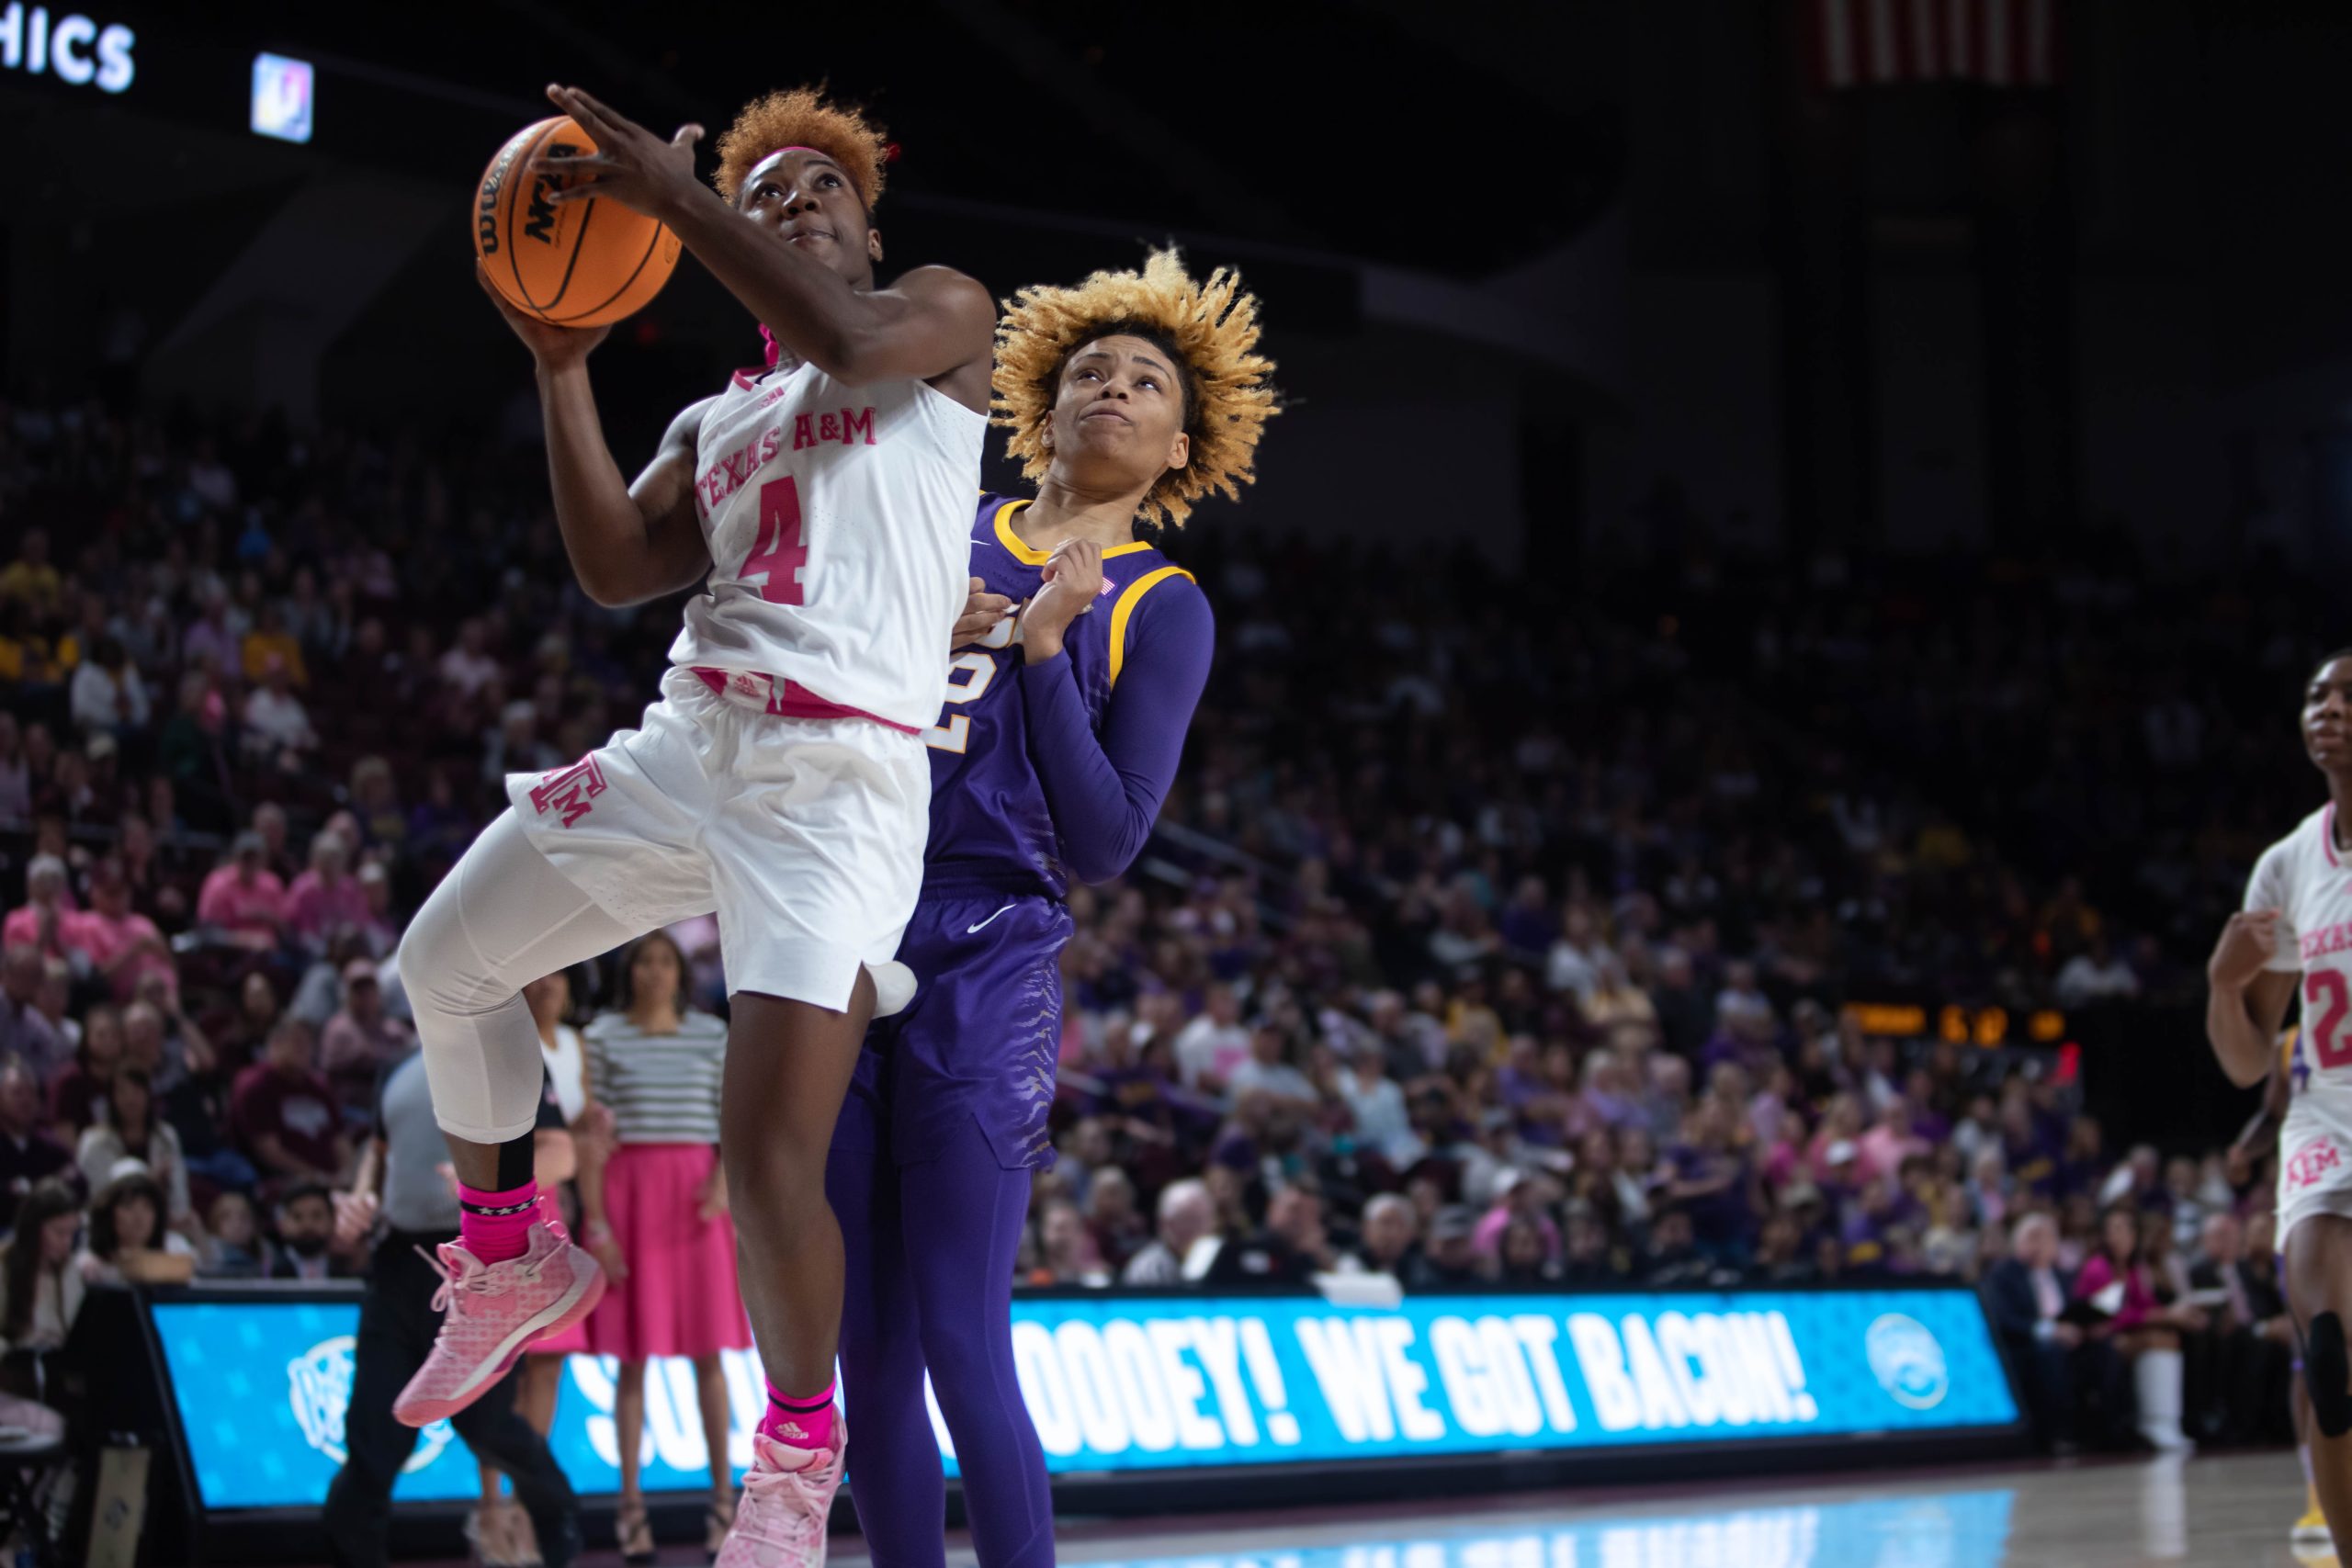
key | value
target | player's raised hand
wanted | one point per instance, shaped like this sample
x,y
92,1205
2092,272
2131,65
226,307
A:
x,y
554,347
983,613
1073,578
2248,942
631,164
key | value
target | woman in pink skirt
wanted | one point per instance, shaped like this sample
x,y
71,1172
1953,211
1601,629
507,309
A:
x,y
654,1213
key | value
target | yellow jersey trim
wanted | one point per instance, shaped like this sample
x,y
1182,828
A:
x,y
1128,599
1027,554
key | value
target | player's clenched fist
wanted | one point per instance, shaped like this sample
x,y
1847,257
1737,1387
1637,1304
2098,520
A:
x,y
2248,942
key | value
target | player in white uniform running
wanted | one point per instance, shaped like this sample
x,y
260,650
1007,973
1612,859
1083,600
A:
x,y
781,780
2295,936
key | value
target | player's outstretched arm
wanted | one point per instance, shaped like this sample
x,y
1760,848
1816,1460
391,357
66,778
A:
x,y
932,323
627,542
2244,1001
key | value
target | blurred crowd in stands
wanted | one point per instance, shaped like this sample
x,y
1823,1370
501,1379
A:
x,y
1491,937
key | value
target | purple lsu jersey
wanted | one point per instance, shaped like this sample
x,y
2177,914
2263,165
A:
x,y
990,830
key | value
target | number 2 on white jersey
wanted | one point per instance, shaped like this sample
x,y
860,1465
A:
x,y
968,675
2326,995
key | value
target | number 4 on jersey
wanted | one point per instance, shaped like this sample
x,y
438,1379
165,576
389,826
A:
x,y
781,550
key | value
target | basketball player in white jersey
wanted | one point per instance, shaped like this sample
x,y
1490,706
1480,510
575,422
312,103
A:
x,y
782,778
2294,937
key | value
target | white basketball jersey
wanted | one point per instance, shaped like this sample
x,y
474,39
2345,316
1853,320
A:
x,y
838,522
2304,877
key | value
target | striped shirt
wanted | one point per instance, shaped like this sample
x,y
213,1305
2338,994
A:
x,y
661,1088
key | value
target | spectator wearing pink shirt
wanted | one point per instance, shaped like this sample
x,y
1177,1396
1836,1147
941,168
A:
x,y
42,921
121,944
243,899
1518,1196
1884,1148
326,900
362,1040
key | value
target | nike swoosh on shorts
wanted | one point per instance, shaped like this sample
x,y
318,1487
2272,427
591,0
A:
x,y
969,929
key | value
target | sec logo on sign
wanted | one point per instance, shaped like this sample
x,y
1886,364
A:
x,y
1907,1362
318,1386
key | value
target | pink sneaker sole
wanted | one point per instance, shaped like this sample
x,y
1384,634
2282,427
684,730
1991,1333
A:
x,y
551,1321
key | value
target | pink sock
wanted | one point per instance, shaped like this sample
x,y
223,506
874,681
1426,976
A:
x,y
799,1422
496,1227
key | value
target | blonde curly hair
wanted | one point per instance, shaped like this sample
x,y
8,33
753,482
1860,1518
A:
x,y
803,117
1211,328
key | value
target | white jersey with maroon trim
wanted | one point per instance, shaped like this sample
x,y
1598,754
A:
x,y
2305,878
838,519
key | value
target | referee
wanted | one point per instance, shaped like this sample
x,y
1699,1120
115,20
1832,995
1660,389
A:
x,y
419,1208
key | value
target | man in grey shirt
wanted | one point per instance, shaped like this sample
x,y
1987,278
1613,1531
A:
x,y
402,1196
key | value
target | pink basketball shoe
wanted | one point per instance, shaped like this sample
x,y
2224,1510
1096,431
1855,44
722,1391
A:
x,y
787,1497
494,1312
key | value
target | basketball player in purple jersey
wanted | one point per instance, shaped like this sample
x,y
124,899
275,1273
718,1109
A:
x,y
780,781
1129,396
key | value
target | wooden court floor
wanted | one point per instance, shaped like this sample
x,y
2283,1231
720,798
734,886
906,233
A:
x,y
2228,1511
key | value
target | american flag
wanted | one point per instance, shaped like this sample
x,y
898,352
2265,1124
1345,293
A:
x,y
1868,43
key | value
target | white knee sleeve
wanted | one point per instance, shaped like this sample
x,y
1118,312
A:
x,y
502,918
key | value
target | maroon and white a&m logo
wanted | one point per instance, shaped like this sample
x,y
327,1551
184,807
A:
x,y
2308,1164
571,790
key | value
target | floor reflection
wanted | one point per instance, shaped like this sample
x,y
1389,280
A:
x,y
1956,1530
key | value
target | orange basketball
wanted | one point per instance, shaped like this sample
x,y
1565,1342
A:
x,y
576,263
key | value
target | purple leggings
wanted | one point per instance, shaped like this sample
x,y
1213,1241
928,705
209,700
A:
x,y
927,1279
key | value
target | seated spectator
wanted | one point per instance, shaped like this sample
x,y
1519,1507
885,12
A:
x,y
1187,1215
270,646
2096,975
233,1247
306,1236
1065,1251
126,1229
25,1030
1375,1103
1525,1261
379,931
16,775
1452,1258
1673,1260
1294,1217
2255,1336
2060,1364
1388,1230
1782,1257
77,1095
243,899
2144,1331
1518,1196
121,945
362,1040
1880,1151
1118,1230
54,997
106,695
284,1112
1270,1071
41,920
277,727
1215,1044
247,1030
133,1131
325,902
40,1290
27,1154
